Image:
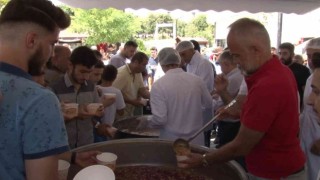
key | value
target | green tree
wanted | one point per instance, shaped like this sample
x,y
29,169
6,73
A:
x,y
200,28
105,25
3,3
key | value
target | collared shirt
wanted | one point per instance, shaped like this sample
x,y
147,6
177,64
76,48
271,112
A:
x,y
271,107
202,68
117,60
129,84
31,123
80,131
177,100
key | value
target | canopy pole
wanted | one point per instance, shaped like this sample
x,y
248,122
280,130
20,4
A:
x,y
279,34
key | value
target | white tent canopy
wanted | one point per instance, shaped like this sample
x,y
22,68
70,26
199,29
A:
x,y
253,6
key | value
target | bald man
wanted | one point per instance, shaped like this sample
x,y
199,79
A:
x,y
58,64
268,136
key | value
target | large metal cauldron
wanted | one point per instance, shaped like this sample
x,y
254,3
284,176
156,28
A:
x,y
157,152
127,128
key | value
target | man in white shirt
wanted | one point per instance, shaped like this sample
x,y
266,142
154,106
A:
x,y
177,99
201,67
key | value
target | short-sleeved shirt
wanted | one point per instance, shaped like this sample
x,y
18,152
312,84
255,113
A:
x,y
152,66
110,111
117,60
272,108
80,131
129,84
31,123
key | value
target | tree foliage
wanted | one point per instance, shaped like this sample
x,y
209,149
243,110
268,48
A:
x,y
3,3
104,25
200,28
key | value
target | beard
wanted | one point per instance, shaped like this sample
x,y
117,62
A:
x,y
36,63
286,61
73,76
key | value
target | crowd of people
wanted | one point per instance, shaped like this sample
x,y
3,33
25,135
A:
x,y
272,131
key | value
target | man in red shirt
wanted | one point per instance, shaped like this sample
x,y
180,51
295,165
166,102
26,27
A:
x,y
268,136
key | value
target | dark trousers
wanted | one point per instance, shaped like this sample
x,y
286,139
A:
x,y
226,132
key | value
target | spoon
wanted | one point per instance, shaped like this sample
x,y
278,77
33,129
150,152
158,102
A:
x,y
181,146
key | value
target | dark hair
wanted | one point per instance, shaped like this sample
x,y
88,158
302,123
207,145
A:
x,y
196,45
41,12
139,56
109,73
316,59
288,46
131,43
83,55
97,53
99,64
154,49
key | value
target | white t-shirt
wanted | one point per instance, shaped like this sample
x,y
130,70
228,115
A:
x,y
110,111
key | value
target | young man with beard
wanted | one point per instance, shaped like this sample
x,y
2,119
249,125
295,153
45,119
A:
x,y
268,135
32,130
300,72
74,87
127,52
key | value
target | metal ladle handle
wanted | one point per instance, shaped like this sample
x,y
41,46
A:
x,y
211,121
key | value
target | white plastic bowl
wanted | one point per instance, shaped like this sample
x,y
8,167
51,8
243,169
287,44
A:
x,y
95,172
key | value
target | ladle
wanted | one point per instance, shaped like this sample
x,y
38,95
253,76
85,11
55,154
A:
x,y
181,145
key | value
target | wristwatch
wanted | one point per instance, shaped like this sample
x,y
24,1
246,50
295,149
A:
x,y
204,160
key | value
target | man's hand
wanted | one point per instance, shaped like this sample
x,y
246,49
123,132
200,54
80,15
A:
x,y
99,112
106,130
194,160
220,83
87,158
315,148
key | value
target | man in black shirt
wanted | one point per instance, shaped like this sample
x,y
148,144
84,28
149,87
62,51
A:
x,y
301,72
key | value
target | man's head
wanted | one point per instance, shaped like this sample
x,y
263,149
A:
x,y
286,52
129,49
96,73
139,62
196,45
312,47
298,59
274,51
109,73
98,54
154,52
82,63
249,44
186,51
226,62
169,58
61,58
31,28
314,97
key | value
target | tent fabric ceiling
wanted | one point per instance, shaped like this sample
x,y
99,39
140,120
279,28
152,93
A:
x,y
253,6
